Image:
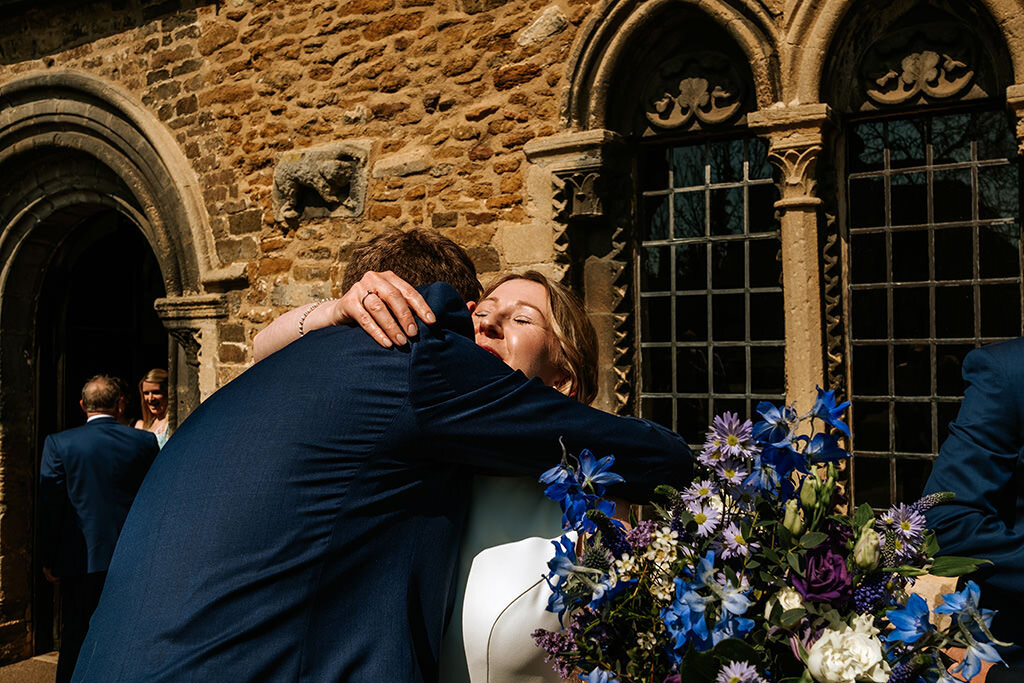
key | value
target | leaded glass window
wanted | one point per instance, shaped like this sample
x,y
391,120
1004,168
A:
x,y
935,269
711,327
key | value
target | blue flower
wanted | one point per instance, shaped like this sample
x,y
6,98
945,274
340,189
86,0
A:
x,y
777,427
599,675
962,602
910,622
735,600
977,652
595,472
730,626
784,459
825,448
825,409
684,621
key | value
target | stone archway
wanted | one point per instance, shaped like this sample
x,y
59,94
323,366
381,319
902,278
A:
x,y
73,147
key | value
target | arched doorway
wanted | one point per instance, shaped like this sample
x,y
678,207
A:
x,y
99,216
95,315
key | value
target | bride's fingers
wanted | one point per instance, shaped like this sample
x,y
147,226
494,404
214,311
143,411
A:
x,y
351,309
412,300
379,304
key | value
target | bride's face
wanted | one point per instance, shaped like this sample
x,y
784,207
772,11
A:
x,y
513,323
155,398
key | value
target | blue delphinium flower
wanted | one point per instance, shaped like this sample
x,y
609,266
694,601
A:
x,y
684,621
825,448
731,626
595,473
826,410
910,622
974,622
778,424
738,672
599,675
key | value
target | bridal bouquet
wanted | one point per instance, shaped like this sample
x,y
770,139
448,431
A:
x,y
750,575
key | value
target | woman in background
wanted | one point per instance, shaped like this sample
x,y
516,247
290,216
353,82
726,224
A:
x,y
153,401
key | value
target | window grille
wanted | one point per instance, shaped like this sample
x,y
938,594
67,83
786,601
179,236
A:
x,y
711,325
934,270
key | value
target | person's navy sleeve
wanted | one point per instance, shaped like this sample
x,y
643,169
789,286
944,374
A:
x,y
979,463
474,411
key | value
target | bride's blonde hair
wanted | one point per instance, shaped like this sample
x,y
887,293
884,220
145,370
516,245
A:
x,y
575,334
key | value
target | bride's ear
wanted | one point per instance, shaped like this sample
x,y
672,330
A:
x,y
565,385
471,305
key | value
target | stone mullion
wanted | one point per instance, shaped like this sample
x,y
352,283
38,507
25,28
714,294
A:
x,y
796,135
1015,103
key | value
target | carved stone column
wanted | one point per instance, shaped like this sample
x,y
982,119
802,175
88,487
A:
x,y
192,322
796,134
1015,102
579,188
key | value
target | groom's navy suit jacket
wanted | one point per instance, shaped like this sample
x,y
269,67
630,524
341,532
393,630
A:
x,y
981,462
303,523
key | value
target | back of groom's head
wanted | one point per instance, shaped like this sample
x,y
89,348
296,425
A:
x,y
418,256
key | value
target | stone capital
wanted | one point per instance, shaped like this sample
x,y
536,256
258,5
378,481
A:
x,y
796,134
573,151
189,311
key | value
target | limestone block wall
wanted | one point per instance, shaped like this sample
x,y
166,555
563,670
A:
x,y
446,92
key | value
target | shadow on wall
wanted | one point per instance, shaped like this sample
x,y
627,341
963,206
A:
x,y
31,29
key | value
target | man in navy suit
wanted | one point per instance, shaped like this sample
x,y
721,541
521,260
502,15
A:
x,y
88,478
303,523
981,463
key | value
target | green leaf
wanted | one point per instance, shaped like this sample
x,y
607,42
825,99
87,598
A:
x,y
735,650
863,515
812,538
794,562
951,565
931,545
666,491
791,617
907,570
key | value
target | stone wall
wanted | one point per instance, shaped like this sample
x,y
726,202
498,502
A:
x,y
447,93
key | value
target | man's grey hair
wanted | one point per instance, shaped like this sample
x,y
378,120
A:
x,y
101,394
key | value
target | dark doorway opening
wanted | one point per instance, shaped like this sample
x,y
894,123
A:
x,y
94,316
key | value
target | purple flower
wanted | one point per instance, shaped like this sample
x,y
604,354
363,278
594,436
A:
x,y
906,522
734,544
827,578
706,516
738,672
730,435
700,490
731,470
639,537
556,644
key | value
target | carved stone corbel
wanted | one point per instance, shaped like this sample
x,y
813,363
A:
x,y
571,181
1015,103
192,322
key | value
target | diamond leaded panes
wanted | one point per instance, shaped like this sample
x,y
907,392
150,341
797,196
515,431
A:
x,y
711,325
935,269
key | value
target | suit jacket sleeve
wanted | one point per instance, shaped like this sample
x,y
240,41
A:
x,y
53,501
474,411
978,462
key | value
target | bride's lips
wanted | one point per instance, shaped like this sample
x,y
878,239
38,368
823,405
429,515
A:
x,y
488,349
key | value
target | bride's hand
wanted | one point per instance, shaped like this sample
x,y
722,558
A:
x,y
383,304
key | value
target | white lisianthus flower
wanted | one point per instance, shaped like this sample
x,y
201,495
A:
x,y
850,655
788,597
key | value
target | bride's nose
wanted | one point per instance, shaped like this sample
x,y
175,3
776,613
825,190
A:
x,y
489,326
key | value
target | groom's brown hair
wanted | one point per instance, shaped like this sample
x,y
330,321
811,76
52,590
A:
x,y
418,256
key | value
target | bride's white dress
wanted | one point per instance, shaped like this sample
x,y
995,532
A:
x,y
504,555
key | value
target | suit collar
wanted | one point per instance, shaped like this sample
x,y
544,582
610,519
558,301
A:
x,y
101,419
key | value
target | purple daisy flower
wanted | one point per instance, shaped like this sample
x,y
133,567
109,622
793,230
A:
x,y
908,523
732,471
706,516
734,544
735,436
738,672
699,491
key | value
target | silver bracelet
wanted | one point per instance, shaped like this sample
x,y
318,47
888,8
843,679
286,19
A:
x,y
309,309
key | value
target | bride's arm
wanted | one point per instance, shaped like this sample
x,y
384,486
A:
x,y
383,304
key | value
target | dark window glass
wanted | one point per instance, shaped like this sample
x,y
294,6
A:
x,y
934,270
720,265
